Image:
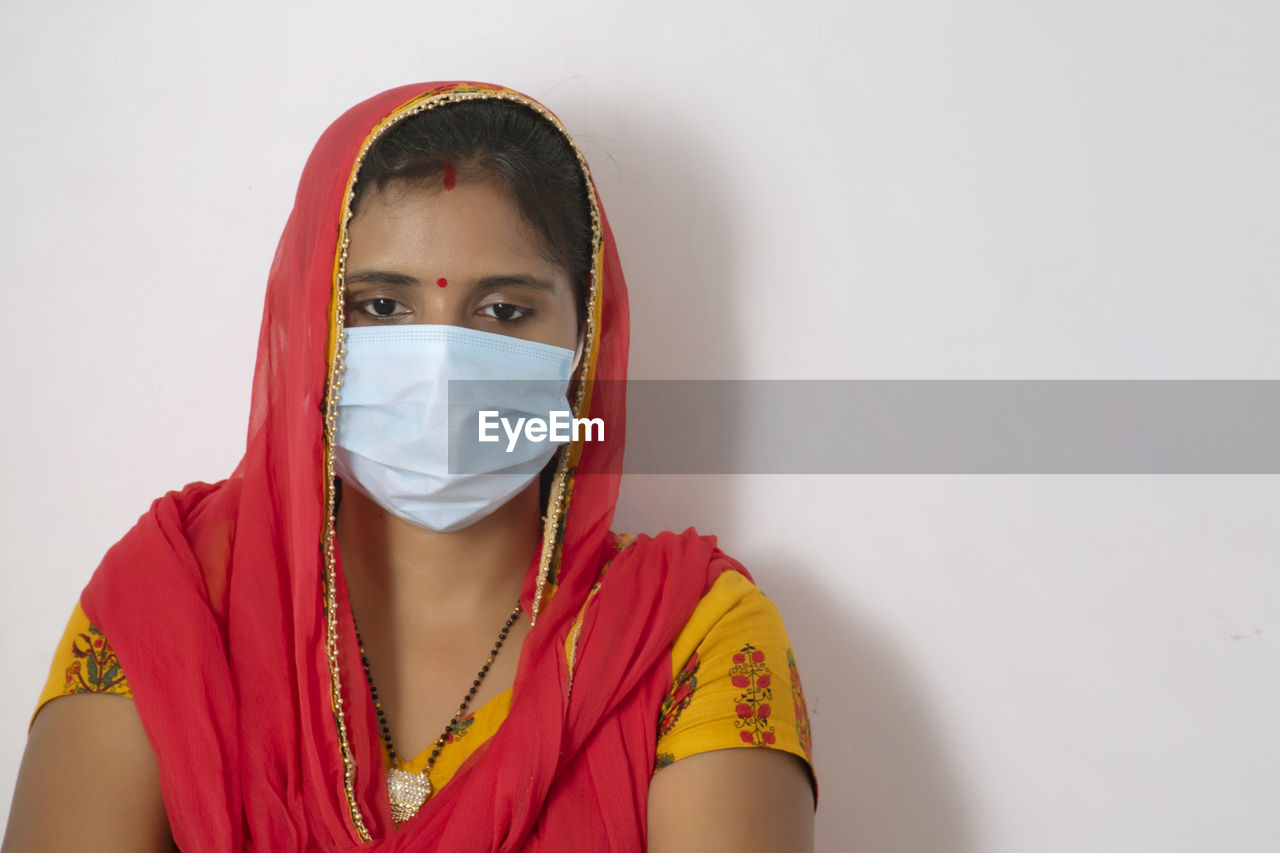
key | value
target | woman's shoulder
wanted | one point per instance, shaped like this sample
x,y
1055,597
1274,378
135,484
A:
x,y
84,661
85,746
735,679
180,546
732,605
736,682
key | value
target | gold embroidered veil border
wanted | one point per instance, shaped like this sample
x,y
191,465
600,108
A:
x,y
557,504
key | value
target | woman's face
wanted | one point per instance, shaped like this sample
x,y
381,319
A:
x,y
458,257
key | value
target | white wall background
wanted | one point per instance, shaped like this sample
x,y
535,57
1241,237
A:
x,y
921,189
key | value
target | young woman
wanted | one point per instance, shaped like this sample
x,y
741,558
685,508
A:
x,y
352,644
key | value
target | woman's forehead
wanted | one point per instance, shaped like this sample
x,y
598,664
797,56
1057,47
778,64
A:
x,y
475,225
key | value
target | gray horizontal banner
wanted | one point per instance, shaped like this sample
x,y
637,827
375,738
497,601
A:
x,y
949,426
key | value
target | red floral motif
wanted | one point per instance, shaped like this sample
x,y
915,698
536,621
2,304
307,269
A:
x,y
680,696
95,669
752,677
801,708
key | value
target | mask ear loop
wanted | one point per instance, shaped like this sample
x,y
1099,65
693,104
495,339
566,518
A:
x,y
577,355
573,368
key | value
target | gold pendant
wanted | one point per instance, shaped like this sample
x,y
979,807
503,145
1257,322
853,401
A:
x,y
407,792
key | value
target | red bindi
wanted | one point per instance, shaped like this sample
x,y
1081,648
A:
x,y
450,178
442,282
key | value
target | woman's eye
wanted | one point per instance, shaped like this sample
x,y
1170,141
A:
x,y
382,307
505,312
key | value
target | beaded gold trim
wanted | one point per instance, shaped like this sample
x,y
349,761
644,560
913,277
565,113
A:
x,y
571,642
557,501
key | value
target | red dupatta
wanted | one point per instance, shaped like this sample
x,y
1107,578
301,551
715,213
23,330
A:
x,y
230,619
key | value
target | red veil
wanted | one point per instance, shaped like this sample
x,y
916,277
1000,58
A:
x,y
229,615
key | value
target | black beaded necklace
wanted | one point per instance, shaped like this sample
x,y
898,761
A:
x,y
406,790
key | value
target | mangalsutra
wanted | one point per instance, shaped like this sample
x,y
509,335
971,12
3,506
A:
x,y
408,790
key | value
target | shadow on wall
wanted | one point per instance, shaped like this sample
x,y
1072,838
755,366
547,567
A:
x,y
663,195
885,783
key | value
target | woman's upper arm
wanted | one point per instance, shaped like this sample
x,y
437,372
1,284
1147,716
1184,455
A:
x,y
733,767
745,800
89,780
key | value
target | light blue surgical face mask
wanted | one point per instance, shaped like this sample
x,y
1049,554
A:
x,y
400,425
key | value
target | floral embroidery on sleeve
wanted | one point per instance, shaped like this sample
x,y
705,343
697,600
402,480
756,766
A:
x,y
754,679
95,668
801,709
725,661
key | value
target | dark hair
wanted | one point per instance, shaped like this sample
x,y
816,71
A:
x,y
508,141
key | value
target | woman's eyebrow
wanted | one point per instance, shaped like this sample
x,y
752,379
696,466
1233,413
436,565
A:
x,y
394,279
507,280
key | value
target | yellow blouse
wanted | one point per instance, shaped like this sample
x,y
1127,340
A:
x,y
734,684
